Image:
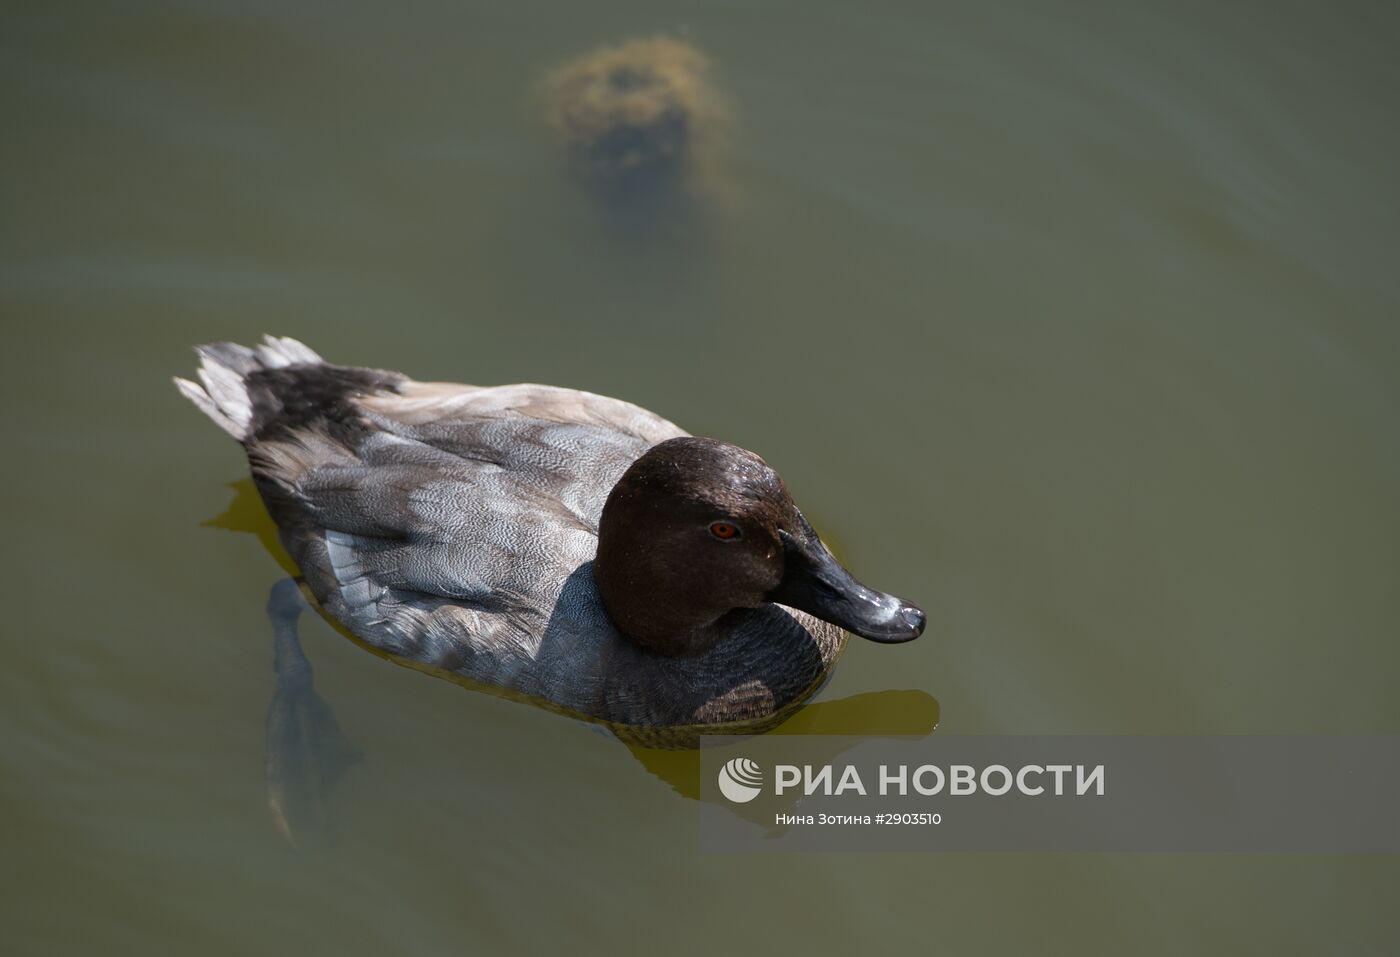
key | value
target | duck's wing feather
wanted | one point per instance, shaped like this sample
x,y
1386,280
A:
x,y
443,404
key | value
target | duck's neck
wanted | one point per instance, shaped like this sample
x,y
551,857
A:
x,y
664,624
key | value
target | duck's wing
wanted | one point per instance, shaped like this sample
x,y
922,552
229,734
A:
x,y
444,533
547,446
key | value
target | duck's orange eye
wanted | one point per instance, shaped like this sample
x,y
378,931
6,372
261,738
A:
x,y
724,531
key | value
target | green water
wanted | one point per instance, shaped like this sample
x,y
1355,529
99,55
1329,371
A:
x,y
1077,325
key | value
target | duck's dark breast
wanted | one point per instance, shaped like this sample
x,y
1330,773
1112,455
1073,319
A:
x,y
774,658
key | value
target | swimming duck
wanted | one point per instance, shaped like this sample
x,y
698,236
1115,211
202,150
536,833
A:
x,y
545,543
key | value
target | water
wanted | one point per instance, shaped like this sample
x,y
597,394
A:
x,y
1076,325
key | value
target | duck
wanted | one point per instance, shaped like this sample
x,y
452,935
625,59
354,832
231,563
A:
x,y
543,543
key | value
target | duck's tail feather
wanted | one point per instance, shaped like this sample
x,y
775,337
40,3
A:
x,y
224,368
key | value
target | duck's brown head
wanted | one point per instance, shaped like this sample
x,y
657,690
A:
x,y
698,528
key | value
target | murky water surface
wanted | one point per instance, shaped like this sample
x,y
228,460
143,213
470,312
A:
x,y
1079,326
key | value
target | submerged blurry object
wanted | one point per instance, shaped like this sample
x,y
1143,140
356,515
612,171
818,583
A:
x,y
639,118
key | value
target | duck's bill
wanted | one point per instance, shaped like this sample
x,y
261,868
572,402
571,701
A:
x,y
815,582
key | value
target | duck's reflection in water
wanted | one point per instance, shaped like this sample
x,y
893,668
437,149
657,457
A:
x,y
306,752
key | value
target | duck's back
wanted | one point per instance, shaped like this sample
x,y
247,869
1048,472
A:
x,y
453,527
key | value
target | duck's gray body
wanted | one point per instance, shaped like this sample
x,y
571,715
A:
x,y
453,527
